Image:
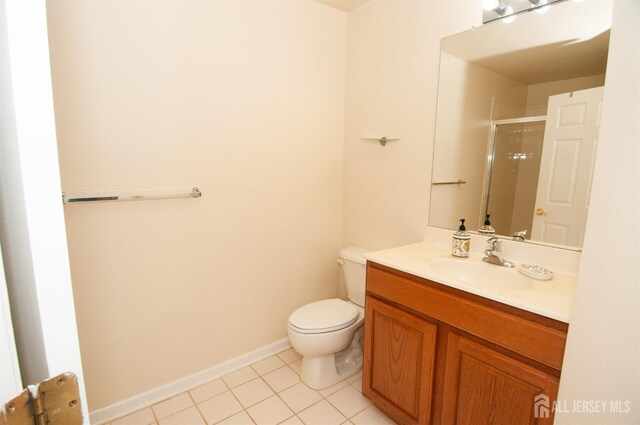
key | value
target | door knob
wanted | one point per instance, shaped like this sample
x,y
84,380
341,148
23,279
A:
x,y
540,211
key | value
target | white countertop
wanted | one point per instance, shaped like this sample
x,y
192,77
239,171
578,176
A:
x,y
552,298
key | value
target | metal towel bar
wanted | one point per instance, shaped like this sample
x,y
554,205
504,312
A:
x,y
460,181
194,193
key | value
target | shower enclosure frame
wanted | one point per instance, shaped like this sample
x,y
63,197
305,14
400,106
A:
x,y
491,148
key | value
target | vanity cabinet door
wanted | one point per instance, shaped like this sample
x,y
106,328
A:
x,y
483,386
398,362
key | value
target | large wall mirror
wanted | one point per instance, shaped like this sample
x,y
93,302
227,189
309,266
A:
x,y
518,120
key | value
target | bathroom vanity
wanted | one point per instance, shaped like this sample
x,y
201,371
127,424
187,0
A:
x,y
460,341
438,353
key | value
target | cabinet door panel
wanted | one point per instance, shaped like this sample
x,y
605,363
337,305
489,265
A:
x,y
483,386
399,357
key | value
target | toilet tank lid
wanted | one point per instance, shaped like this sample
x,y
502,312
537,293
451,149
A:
x,y
355,254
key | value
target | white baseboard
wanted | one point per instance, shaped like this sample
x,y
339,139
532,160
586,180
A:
x,y
181,385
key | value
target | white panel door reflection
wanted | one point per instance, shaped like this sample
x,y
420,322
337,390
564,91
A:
x,y
566,167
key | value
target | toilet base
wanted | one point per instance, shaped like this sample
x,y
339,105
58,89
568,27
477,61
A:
x,y
324,371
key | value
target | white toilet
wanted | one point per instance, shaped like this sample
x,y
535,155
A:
x,y
329,333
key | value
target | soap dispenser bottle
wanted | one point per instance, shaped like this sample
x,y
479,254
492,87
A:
x,y
487,230
461,242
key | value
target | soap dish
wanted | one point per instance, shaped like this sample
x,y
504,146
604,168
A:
x,y
535,271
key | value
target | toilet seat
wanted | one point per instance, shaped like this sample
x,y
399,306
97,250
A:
x,y
323,316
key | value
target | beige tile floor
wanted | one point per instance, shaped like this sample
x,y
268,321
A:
x,y
268,392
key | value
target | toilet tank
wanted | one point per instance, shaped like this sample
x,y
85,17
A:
x,y
354,272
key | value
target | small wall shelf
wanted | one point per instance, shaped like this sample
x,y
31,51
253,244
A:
x,y
382,139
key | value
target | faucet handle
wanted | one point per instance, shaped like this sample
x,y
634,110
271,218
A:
x,y
519,235
494,242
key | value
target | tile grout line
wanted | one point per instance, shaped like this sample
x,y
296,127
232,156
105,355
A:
x,y
284,389
177,411
196,406
153,412
348,384
238,400
230,390
213,396
275,393
288,407
320,401
288,365
157,421
352,416
322,397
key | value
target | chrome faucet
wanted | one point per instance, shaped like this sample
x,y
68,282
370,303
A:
x,y
493,255
519,235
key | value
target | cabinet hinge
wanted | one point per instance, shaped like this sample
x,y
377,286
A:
x,y
55,401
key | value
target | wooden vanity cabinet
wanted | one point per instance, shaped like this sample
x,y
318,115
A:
x,y
437,355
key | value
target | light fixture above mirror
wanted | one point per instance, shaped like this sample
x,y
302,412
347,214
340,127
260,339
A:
x,y
507,10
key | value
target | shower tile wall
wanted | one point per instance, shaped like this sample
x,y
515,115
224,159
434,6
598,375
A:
x,y
514,177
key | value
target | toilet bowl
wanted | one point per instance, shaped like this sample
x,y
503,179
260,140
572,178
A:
x,y
329,333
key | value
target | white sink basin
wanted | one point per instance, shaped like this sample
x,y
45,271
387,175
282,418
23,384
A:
x,y
479,274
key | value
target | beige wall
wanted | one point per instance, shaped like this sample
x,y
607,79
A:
x,y
244,100
462,133
602,358
393,51
538,94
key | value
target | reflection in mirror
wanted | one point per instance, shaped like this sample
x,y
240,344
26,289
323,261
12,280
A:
x,y
515,156
517,115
